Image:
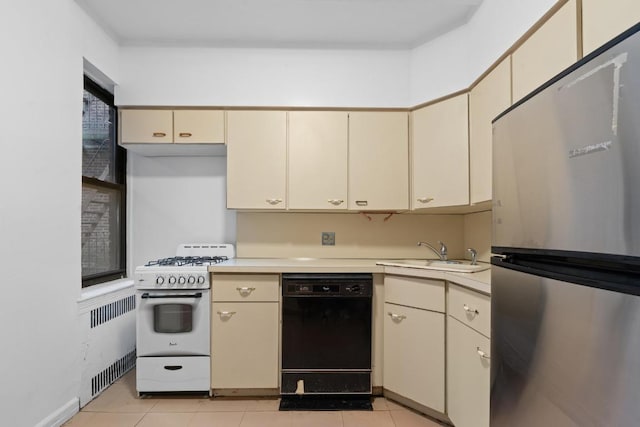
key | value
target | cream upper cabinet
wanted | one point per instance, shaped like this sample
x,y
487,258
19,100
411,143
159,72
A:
x,y
414,349
198,126
256,159
468,376
378,161
440,154
167,126
551,49
487,99
603,20
318,160
146,126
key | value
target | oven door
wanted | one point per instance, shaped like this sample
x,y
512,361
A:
x,y
173,323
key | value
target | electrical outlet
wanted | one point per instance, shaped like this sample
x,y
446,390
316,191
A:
x,y
328,238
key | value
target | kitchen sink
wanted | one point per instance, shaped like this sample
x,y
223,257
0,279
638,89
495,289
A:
x,y
459,266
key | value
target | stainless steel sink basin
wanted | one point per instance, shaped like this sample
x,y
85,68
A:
x,y
460,266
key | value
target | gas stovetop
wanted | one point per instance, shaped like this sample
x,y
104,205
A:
x,y
186,270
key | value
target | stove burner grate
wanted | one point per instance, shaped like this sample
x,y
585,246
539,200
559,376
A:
x,y
179,261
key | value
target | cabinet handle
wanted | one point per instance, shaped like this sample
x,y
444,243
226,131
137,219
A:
x,y
396,317
471,311
335,202
274,201
482,354
362,202
185,134
226,315
425,199
159,134
245,291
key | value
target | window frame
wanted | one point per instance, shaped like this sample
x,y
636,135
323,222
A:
x,y
120,175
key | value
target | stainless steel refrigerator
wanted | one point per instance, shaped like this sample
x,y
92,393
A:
x,y
566,244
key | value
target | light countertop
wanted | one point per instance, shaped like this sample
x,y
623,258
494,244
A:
x,y
480,281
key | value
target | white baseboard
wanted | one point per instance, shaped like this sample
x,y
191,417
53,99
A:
x,y
61,415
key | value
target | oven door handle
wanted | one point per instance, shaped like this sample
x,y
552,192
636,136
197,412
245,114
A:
x,y
148,295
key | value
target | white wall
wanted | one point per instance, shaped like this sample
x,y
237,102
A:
x,y
455,60
175,200
40,196
263,77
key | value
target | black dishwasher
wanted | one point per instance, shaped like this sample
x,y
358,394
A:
x,y
326,334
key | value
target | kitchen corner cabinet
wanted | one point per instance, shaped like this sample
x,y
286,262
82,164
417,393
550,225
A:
x,y
172,126
414,334
440,154
318,160
378,161
468,357
244,331
551,49
603,20
487,99
256,159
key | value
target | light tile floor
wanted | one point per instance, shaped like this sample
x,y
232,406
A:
x,y
119,406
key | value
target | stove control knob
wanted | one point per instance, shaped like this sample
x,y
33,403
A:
x,y
172,280
182,280
191,280
159,280
201,280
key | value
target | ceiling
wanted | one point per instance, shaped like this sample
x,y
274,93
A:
x,y
331,24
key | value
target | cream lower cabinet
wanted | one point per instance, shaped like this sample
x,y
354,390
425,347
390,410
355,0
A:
x,y
414,356
244,332
468,357
468,380
440,154
256,159
378,161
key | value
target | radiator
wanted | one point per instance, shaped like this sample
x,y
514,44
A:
x,y
108,328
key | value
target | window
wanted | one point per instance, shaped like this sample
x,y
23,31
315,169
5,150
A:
x,y
103,189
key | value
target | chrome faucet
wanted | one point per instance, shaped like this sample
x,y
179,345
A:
x,y
442,253
474,256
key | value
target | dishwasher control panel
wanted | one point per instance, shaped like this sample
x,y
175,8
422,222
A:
x,y
345,285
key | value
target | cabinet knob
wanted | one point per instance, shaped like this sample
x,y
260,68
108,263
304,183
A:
x,y
274,201
471,311
362,202
425,199
396,317
159,134
482,354
335,202
245,291
226,315
185,134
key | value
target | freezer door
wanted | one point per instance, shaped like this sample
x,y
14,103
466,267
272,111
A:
x,y
566,162
562,354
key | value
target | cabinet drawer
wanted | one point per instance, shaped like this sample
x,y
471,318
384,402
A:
x,y
245,287
471,308
414,292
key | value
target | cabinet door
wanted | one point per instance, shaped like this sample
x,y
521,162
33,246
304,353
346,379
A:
x,y
468,379
198,126
146,126
378,161
487,99
256,159
547,52
244,345
602,20
318,160
414,354
440,154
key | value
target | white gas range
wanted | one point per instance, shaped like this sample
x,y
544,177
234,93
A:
x,y
173,305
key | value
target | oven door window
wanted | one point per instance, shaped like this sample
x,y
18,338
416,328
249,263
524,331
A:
x,y
173,318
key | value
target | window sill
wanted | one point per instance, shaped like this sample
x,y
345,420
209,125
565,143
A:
x,y
93,296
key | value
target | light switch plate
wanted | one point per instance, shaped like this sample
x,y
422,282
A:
x,y
328,238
